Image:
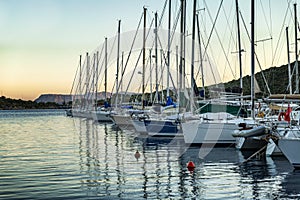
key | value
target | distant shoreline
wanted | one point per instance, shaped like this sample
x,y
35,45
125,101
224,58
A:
x,y
18,104
35,109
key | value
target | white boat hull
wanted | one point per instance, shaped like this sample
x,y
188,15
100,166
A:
x,y
102,116
197,132
122,120
290,147
82,114
139,126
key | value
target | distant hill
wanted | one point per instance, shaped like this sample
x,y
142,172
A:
x,y
54,98
16,104
276,78
62,98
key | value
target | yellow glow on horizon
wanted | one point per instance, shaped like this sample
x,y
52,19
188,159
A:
x,y
41,41
25,75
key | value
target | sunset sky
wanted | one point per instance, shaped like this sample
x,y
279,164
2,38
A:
x,y
41,40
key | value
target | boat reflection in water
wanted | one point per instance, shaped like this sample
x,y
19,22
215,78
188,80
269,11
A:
x,y
109,168
291,185
75,158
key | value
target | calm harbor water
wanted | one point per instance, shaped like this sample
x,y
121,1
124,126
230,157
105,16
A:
x,y
45,155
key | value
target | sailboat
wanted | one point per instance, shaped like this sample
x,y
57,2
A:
x,y
123,115
157,124
213,126
290,146
283,128
102,114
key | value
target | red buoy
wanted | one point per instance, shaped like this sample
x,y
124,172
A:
x,y
191,166
137,155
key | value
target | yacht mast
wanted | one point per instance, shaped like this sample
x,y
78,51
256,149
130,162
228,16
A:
x,y
80,80
182,35
156,62
252,57
184,42
144,58
162,75
296,50
289,61
177,75
93,82
105,72
201,60
150,73
96,84
122,73
87,80
239,43
193,58
169,44
118,60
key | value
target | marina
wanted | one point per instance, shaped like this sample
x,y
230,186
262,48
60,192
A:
x,y
46,155
193,101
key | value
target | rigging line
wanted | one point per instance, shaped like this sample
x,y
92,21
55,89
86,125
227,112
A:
x,y
148,79
78,85
281,33
203,55
111,50
92,76
230,39
175,25
264,78
98,61
173,32
199,37
163,12
100,55
206,47
264,13
165,61
137,59
264,52
141,51
268,27
164,55
211,62
87,89
132,45
263,75
101,66
160,43
116,37
91,79
210,35
214,24
74,79
293,71
222,46
271,29
289,3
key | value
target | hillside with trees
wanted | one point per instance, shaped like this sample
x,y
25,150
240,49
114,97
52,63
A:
x,y
17,104
276,78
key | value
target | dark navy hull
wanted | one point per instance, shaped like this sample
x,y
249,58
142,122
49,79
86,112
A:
x,y
163,127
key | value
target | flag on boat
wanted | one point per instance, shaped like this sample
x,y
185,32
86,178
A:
x,y
287,114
